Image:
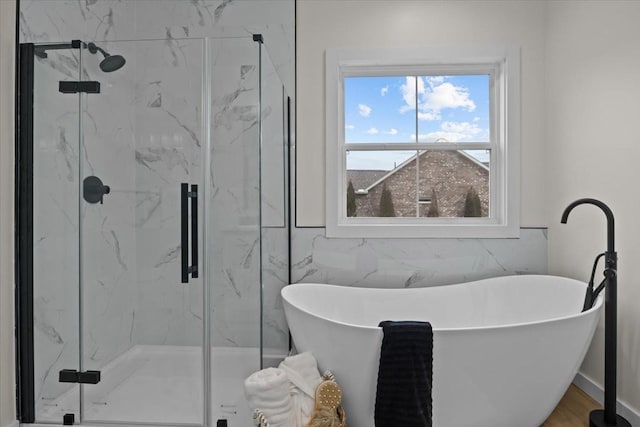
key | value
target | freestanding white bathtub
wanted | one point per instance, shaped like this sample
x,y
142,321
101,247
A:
x,y
505,349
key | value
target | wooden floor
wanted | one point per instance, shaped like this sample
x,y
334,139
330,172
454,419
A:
x,y
573,409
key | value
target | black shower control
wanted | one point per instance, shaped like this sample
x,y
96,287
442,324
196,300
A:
x,y
93,189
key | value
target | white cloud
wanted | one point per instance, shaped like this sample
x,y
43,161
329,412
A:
x,y
408,90
452,132
432,115
364,110
391,131
447,95
476,119
439,136
349,127
434,95
384,90
466,128
373,131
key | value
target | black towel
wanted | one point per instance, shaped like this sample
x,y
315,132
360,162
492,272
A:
x,y
405,374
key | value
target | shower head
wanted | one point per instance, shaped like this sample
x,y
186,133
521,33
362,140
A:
x,y
110,62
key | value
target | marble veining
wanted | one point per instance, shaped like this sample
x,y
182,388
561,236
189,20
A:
x,y
147,206
60,20
405,263
186,128
143,135
169,157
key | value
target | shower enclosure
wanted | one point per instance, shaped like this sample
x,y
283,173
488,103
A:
x,y
152,184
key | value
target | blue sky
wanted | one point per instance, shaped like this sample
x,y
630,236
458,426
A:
x,y
385,109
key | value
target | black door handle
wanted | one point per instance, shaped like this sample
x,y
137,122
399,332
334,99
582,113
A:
x,y
185,194
194,231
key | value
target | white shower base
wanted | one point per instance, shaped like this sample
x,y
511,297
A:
x,y
162,385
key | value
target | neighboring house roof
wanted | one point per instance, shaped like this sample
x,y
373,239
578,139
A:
x,y
362,179
411,160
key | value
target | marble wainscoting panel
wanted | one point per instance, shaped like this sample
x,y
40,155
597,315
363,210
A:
x,y
404,263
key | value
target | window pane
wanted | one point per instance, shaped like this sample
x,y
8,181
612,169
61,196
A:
x,y
376,109
372,173
453,183
454,108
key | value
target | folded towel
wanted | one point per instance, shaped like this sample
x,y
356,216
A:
x,y
405,374
302,371
268,391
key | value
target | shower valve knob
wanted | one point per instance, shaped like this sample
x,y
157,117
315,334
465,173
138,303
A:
x,y
93,189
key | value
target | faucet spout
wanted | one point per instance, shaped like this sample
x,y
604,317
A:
x,y
607,212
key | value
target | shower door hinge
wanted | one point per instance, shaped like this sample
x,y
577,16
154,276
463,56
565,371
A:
x,y
73,376
75,87
68,419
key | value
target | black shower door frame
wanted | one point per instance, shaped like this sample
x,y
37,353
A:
x,y
24,233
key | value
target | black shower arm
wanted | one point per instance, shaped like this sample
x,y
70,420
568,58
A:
x,y
93,48
75,44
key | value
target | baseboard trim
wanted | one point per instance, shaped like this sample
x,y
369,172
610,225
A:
x,y
593,389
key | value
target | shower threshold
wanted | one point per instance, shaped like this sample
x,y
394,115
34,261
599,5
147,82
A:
x,y
162,385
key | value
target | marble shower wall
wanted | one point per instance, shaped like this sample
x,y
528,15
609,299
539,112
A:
x,y
144,130
107,246
99,20
55,224
233,237
236,251
275,234
167,107
404,263
141,135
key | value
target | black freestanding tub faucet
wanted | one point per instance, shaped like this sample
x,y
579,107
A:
x,y
608,416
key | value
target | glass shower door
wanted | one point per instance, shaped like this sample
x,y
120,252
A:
x,y
141,175
55,231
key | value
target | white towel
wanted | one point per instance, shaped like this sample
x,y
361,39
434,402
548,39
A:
x,y
268,391
302,370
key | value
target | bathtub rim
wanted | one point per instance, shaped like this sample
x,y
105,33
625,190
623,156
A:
x,y
596,306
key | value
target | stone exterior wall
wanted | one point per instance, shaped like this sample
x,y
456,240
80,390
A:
x,y
450,173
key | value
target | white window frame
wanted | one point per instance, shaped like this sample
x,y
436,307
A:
x,y
504,62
